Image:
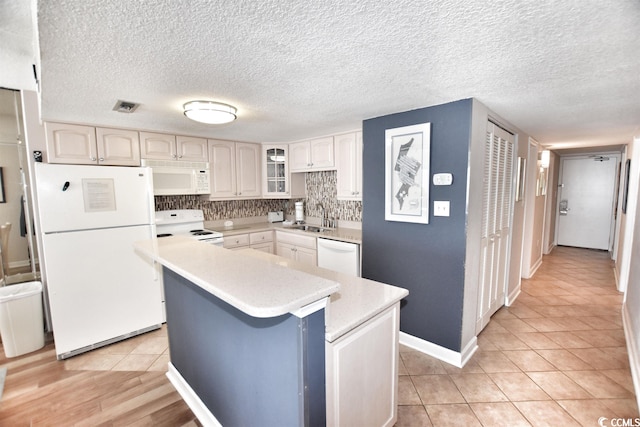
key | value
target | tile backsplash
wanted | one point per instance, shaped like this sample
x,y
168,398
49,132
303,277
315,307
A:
x,y
320,186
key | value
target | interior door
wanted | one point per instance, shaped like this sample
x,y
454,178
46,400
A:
x,y
585,201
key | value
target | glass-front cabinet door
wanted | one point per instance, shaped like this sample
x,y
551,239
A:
x,y
276,163
277,181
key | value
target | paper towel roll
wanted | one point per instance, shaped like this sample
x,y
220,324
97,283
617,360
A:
x,y
299,212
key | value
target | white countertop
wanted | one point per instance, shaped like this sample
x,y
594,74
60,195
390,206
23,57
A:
x,y
357,301
266,285
258,287
344,234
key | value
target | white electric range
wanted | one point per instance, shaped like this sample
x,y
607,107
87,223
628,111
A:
x,y
186,222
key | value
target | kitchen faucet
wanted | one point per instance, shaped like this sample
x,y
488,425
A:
x,y
323,218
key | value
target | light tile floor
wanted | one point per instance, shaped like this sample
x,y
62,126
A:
x,y
556,357
147,352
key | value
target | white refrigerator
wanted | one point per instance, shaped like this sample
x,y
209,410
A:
x,y
99,289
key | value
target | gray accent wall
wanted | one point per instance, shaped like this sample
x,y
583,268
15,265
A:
x,y
248,371
426,259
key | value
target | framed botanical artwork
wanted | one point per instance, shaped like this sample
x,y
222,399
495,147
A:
x,y
2,197
625,194
521,174
407,151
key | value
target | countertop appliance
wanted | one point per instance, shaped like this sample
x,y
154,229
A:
x,y
277,216
99,289
186,222
339,256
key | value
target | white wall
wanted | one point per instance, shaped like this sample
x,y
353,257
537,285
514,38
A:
x,y
631,307
627,223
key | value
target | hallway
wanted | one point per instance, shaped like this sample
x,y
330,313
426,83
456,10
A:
x,y
556,357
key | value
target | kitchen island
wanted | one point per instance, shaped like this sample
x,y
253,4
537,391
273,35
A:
x,y
257,339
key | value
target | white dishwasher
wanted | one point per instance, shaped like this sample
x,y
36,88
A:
x,y
339,256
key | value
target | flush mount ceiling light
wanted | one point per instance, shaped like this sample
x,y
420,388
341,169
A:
x,y
213,113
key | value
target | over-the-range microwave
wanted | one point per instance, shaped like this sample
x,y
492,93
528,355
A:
x,y
172,178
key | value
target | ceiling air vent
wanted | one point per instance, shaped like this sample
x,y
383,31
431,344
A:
x,y
125,107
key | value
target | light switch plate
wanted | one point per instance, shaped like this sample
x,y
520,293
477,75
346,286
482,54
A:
x,y
441,208
442,179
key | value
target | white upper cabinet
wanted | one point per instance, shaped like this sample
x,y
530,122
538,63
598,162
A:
x,y
87,145
277,180
235,170
222,161
192,149
349,166
313,155
248,170
118,147
160,146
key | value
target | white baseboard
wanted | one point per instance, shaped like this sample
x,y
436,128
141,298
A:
x,y
458,359
550,248
536,266
192,400
511,298
615,275
633,350
19,264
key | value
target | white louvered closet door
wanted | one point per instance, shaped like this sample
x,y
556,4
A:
x,y
497,203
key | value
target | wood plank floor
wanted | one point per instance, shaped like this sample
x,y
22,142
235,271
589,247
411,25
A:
x,y
42,391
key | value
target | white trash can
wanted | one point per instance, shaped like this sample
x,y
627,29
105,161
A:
x,y
21,319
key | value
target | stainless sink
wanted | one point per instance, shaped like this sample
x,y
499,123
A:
x,y
311,228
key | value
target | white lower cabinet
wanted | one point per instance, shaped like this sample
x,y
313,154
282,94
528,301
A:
x,y
297,247
261,241
362,373
237,241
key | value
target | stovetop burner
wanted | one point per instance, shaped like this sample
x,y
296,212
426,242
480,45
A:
x,y
200,232
187,223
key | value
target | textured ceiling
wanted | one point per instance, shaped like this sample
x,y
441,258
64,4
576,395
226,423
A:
x,y
563,71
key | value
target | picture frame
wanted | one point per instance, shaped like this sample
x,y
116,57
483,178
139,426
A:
x,y
625,194
407,156
520,178
2,196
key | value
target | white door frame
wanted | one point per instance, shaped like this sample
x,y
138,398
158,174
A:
x,y
612,225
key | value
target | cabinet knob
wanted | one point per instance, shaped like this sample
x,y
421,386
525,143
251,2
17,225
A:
x,y
101,159
93,159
